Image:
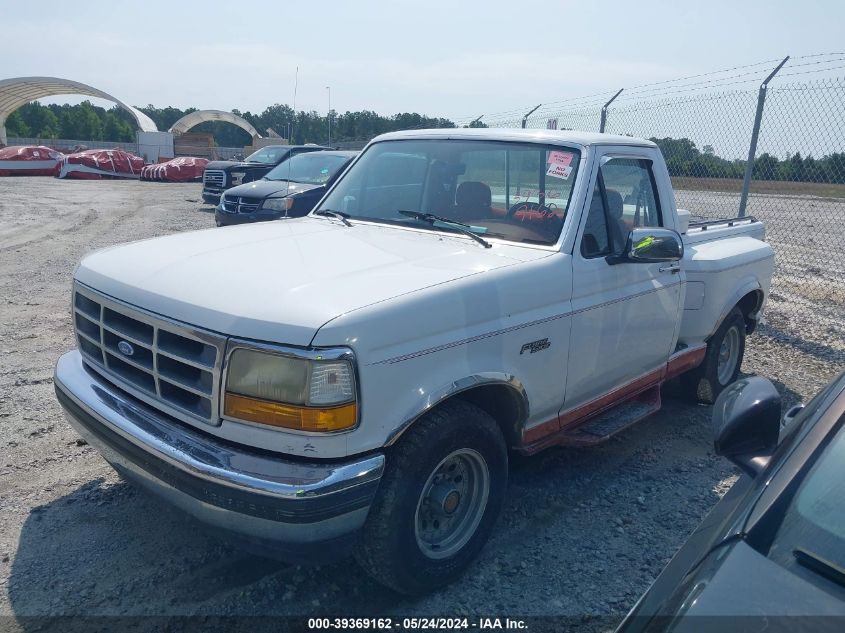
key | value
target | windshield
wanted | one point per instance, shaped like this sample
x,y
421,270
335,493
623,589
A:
x,y
813,526
516,191
313,168
268,155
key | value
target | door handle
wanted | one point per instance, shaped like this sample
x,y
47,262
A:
x,y
674,268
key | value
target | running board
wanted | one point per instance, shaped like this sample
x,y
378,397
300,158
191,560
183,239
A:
x,y
608,423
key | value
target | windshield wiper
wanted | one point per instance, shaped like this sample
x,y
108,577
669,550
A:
x,y
340,215
432,219
829,570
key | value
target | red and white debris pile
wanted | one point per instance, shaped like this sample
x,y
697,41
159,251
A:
x,y
181,169
93,164
28,160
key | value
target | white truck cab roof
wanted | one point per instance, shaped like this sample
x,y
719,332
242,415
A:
x,y
571,137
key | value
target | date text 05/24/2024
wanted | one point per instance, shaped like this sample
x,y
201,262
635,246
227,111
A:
x,y
441,624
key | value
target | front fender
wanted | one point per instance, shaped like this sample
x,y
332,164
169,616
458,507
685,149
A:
x,y
461,386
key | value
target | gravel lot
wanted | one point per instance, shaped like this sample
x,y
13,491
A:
x,y
583,534
807,301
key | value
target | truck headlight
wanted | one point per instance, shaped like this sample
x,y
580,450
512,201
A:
x,y
292,393
238,177
277,204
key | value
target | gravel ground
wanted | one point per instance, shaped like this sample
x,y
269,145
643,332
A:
x,y
807,300
583,534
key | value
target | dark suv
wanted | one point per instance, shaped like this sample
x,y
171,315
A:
x,y
220,175
290,190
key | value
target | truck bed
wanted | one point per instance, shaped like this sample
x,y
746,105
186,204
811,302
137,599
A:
x,y
734,246
707,230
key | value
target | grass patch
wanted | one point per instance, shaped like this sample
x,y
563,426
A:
x,y
731,185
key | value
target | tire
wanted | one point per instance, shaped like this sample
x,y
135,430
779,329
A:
x,y
722,362
419,536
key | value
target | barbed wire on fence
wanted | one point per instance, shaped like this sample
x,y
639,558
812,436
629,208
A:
x,y
716,79
704,124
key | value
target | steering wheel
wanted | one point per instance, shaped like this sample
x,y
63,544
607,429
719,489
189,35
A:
x,y
529,206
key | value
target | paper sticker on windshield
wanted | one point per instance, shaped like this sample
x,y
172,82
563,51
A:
x,y
556,170
560,158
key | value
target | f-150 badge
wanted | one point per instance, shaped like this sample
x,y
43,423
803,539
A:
x,y
535,346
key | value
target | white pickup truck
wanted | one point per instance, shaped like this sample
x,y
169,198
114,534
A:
x,y
356,379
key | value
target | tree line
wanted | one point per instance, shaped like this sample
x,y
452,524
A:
x,y
683,158
86,121
301,127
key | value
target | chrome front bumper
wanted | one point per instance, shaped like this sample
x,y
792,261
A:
x,y
251,493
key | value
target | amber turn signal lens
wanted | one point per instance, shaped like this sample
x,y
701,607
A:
x,y
289,416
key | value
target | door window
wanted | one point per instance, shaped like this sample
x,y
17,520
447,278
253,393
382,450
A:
x,y
623,199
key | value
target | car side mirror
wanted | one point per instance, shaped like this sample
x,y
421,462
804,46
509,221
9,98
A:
x,y
746,423
650,245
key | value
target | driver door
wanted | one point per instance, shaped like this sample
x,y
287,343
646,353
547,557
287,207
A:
x,y
626,314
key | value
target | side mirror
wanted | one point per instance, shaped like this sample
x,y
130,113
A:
x,y
746,423
650,245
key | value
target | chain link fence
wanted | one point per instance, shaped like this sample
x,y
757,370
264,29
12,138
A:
x,y
796,186
67,146
799,173
788,124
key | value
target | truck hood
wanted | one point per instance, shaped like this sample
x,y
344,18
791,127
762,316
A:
x,y
265,188
281,281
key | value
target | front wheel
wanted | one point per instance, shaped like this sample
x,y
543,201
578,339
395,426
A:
x,y
442,491
722,361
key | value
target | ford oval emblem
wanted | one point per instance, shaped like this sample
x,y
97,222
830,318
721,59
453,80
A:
x,y
125,348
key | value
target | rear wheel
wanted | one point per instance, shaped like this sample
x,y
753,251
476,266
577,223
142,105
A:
x,y
722,361
442,491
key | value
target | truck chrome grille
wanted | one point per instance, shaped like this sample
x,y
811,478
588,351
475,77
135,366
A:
x,y
236,204
214,177
171,366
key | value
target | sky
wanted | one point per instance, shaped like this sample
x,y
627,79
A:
x,y
456,59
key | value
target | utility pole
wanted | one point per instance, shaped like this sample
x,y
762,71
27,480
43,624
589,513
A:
x,y
295,88
329,88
